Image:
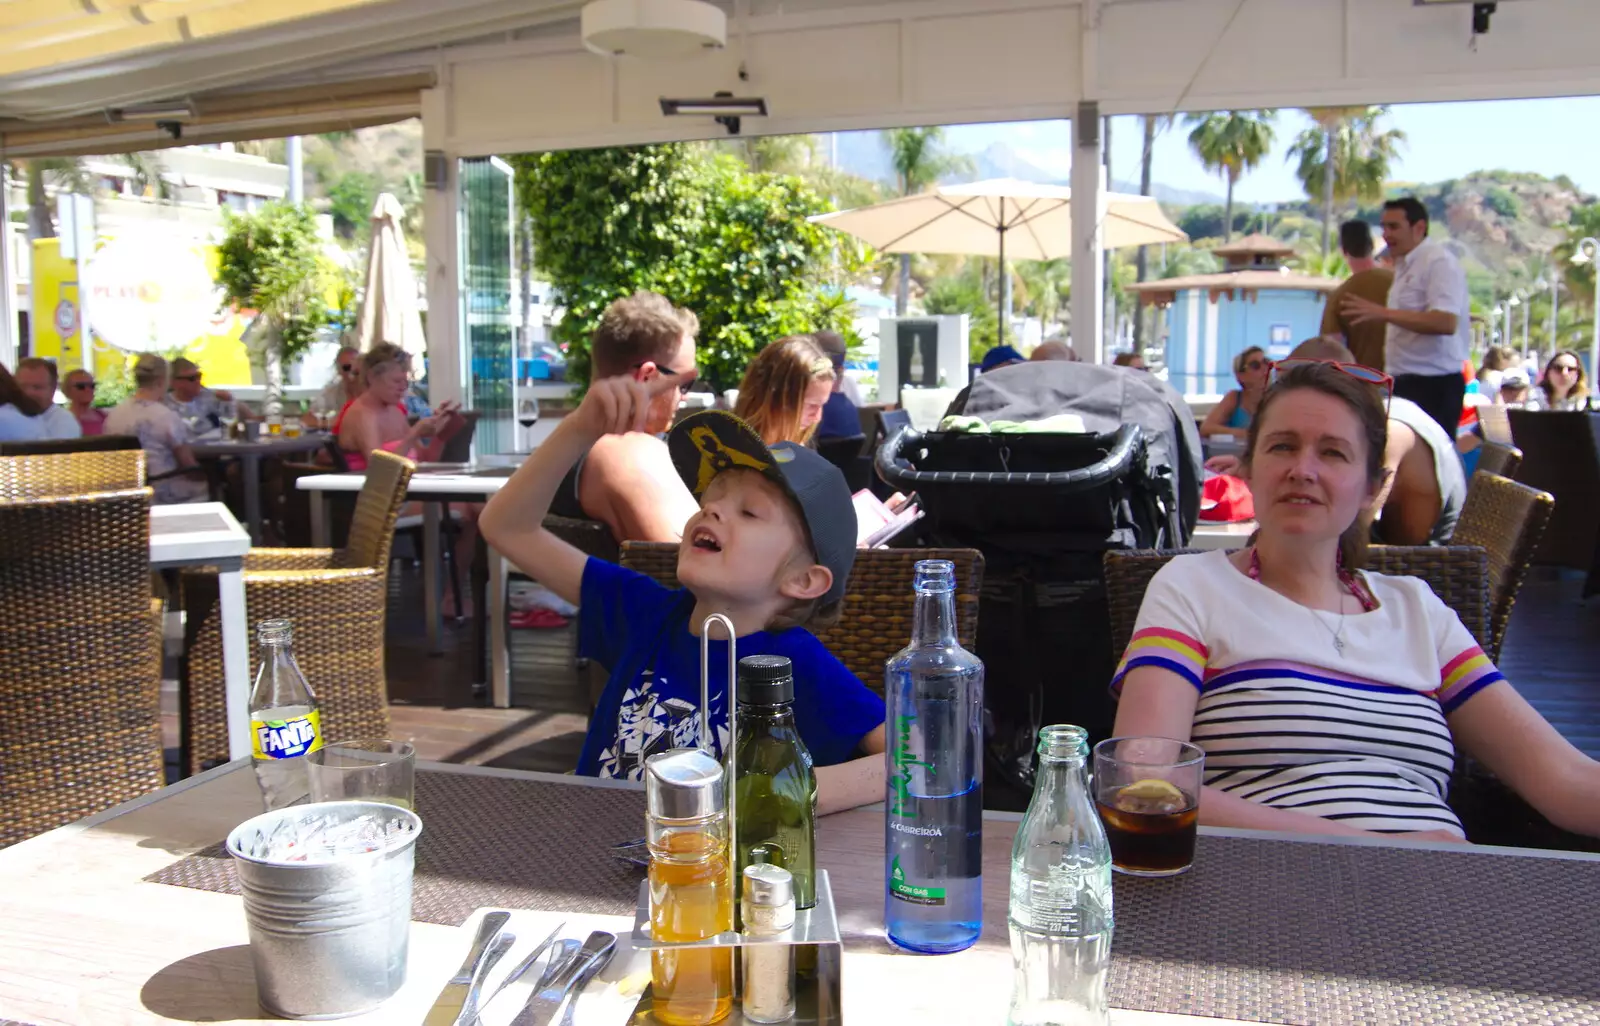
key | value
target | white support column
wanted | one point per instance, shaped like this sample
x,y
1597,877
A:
x,y
8,278
442,240
1088,207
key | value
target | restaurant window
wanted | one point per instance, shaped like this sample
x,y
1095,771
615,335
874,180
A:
x,y
486,219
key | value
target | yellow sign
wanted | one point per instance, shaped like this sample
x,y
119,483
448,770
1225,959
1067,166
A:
x,y
147,292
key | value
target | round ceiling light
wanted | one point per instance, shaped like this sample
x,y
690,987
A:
x,y
653,29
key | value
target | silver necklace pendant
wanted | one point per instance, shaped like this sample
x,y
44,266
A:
x,y
1338,645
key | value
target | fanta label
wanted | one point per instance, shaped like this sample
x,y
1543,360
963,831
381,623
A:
x,y
286,739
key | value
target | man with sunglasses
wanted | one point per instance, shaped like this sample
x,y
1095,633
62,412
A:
x,y
1429,325
37,379
628,481
79,388
194,402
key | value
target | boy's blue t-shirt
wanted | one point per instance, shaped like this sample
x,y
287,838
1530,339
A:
x,y
839,418
639,630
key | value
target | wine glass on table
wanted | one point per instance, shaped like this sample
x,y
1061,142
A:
x,y
227,416
528,416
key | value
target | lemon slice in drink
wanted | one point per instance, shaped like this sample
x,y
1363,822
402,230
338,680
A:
x,y
1152,790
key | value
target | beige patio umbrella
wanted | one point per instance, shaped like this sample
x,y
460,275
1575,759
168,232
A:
x,y
1000,217
389,304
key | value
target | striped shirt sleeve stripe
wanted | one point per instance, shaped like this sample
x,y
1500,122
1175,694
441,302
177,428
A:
x,y
1167,649
1463,677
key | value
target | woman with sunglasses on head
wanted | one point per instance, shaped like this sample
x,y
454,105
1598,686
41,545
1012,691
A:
x,y
1563,387
785,389
1233,414
1329,700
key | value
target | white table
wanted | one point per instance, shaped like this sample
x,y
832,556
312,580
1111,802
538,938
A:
x,y
1222,536
206,534
433,484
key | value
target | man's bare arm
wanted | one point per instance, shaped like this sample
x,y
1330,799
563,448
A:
x,y
629,482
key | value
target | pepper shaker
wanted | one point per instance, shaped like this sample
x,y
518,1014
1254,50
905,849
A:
x,y
768,909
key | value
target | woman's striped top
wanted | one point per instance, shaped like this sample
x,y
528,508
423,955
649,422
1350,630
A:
x,y
1287,720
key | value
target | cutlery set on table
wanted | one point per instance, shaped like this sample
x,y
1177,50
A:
x,y
544,986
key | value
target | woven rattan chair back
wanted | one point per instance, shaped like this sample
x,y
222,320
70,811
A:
x,y
591,537
875,621
1506,520
1456,574
1503,460
377,508
80,658
71,473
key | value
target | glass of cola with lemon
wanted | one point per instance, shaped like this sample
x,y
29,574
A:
x,y
1147,791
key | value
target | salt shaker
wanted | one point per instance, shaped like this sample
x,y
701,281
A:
x,y
768,909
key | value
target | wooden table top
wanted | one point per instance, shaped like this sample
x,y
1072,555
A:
x,y
86,940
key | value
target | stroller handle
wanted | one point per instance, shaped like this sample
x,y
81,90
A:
x,y
898,471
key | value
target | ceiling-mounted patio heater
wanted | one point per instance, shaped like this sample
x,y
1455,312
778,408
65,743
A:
x,y
653,29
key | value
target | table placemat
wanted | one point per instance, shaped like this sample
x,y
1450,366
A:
x,y
1259,930
1305,933
495,842
186,523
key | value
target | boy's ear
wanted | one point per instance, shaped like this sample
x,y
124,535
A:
x,y
806,583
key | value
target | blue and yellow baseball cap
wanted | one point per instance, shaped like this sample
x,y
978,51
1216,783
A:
x,y
711,442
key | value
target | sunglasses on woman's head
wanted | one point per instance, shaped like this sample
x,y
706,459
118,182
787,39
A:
x,y
1361,372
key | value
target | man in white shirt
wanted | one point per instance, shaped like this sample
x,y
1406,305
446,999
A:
x,y
1429,321
37,378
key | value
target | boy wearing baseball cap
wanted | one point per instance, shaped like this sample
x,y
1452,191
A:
x,y
770,548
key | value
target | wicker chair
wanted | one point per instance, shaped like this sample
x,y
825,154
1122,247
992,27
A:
x,y
337,599
88,443
1456,573
1506,520
875,622
1503,460
80,652
71,473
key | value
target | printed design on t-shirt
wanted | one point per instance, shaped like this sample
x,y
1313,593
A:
x,y
648,723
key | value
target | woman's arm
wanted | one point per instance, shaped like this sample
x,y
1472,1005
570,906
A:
x,y
513,521
1216,422
1159,703
1505,733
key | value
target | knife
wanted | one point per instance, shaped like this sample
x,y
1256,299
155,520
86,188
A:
x,y
560,993
558,958
447,1007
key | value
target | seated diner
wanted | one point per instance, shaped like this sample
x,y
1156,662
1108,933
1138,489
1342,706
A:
x,y
1330,700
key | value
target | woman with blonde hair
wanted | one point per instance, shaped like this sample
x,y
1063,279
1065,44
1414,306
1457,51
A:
x,y
784,390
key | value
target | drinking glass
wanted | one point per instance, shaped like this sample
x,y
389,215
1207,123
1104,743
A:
x,y
1147,791
367,771
528,416
227,416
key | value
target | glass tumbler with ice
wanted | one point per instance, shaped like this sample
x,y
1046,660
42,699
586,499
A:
x,y
1147,791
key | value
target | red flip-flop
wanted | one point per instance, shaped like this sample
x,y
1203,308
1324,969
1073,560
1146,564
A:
x,y
537,618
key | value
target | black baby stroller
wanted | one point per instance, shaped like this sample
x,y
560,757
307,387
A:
x,y
1043,509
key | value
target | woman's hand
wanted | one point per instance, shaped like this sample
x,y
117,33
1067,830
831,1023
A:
x,y
1223,465
1429,835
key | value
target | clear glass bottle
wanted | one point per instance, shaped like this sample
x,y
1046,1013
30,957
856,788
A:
x,y
285,725
691,886
773,777
1060,911
934,692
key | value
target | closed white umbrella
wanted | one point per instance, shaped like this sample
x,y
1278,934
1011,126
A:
x,y
389,306
1000,217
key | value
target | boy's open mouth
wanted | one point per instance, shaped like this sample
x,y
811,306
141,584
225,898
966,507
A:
x,y
704,540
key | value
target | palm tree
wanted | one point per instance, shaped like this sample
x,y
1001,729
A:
x,y
919,161
1154,125
1231,142
1349,139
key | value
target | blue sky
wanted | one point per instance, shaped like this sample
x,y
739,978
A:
x,y
1443,140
